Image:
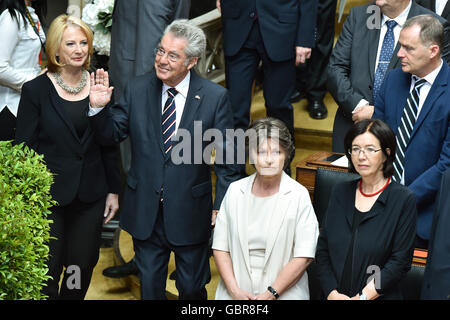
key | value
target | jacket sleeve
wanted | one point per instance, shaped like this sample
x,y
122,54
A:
x,y
110,125
307,23
111,162
325,271
226,170
340,68
400,259
28,115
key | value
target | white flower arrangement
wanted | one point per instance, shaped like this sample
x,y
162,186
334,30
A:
x,y
98,15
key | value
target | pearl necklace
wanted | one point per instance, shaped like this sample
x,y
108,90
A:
x,y
69,89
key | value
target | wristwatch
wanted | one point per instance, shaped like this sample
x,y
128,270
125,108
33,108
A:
x,y
273,291
362,296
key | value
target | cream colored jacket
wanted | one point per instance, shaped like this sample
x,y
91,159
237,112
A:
x,y
293,233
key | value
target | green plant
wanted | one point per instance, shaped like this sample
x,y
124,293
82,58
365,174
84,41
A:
x,y
24,228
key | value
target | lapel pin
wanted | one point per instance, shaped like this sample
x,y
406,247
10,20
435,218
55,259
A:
x,y
197,97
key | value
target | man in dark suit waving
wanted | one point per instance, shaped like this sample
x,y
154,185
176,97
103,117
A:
x,y
167,203
364,53
414,102
279,34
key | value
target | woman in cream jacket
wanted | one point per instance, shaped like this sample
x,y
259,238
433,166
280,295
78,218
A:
x,y
266,230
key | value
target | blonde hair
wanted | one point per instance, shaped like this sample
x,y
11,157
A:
x,y
54,39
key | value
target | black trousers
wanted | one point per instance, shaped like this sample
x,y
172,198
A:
x,y
278,82
152,258
311,77
7,125
77,229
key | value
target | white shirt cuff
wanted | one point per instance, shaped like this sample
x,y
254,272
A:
x,y
94,111
361,103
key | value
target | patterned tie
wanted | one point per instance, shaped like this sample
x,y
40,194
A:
x,y
405,128
169,119
387,49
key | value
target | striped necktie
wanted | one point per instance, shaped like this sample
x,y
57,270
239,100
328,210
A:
x,y
405,128
387,48
169,119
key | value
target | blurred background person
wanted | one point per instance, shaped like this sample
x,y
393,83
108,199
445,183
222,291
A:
x,y
22,40
266,229
440,7
52,120
366,244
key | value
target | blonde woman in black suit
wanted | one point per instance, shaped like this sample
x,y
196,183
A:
x,y
52,120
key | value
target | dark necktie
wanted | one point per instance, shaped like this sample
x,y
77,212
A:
x,y
169,119
387,49
405,128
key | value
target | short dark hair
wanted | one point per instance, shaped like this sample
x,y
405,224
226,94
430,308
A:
x,y
385,136
431,29
269,127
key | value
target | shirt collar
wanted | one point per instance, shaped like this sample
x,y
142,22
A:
x,y
182,87
400,19
431,77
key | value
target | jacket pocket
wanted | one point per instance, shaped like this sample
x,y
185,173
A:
x,y
201,189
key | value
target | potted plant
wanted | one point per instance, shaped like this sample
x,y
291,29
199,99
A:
x,y
24,228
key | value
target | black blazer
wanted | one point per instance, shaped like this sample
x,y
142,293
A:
x,y
436,281
431,4
284,24
351,69
384,238
82,168
187,187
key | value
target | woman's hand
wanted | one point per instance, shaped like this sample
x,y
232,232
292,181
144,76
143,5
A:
x,y
240,294
335,295
111,207
100,91
266,295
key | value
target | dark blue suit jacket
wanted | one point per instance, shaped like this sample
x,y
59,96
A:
x,y
187,187
436,281
284,24
428,152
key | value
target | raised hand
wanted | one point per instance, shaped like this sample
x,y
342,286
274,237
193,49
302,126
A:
x,y
100,91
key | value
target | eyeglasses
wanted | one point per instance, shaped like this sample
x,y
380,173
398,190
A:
x,y
173,57
369,151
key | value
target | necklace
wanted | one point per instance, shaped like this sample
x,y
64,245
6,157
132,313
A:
x,y
373,194
69,89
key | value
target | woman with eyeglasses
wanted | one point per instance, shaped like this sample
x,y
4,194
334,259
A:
x,y
366,245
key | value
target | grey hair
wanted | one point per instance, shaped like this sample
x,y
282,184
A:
x,y
431,29
194,35
262,129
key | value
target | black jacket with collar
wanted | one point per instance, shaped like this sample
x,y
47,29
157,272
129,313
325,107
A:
x,y
384,240
82,168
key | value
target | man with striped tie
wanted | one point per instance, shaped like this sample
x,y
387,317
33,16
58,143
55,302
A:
x,y
167,205
415,102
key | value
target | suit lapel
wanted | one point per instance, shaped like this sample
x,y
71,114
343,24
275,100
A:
x,y
278,215
242,220
446,11
437,89
373,41
152,103
193,101
56,102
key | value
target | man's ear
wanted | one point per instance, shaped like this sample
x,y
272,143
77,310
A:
x,y
434,50
192,63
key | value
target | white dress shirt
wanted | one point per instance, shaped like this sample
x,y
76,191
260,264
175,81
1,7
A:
x,y
440,5
400,19
19,57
